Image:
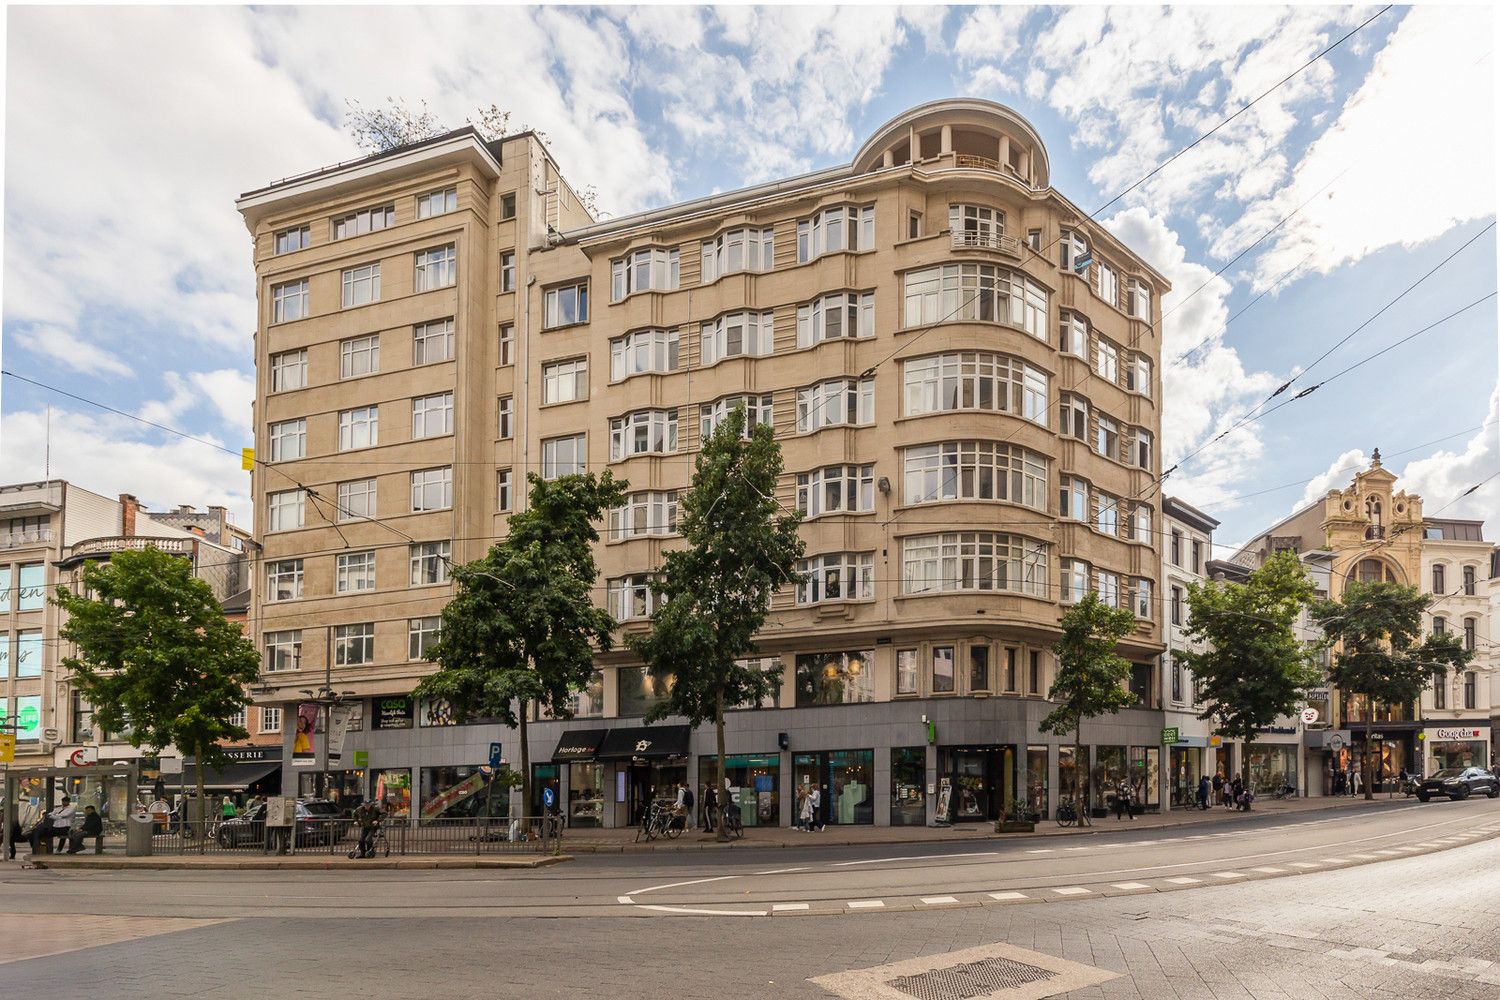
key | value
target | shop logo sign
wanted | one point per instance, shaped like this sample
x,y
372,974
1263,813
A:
x,y
1457,734
641,746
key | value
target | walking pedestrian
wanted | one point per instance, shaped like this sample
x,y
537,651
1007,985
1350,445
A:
x,y
1218,788
1203,792
1122,800
815,797
805,810
710,808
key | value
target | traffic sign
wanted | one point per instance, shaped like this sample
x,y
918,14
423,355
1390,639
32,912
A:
x,y
549,797
84,756
7,748
494,755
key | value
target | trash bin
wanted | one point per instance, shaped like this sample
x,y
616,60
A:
x,y
138,828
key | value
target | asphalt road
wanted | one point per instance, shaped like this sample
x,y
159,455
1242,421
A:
x,y
1398,902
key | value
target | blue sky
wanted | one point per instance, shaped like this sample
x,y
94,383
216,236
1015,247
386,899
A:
x,y
129,132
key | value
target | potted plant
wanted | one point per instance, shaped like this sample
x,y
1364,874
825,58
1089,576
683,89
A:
x,y
1016,819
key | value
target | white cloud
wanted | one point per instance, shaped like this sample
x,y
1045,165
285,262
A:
x,y
1338,475
231,392
1421,123
71,352
110,455
1441,478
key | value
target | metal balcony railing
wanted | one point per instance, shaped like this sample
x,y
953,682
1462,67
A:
x,y
986,240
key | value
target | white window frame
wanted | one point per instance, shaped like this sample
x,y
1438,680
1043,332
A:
x,y
361,285
428,563
285,510
976,226
366,220
642,432
650,514
290,301
1076,574
836,403
353,645
975,380
758,410
432,489
356,500
507,345
956,561
641,352
508,271
839,316
1138,374
1107,436
737,250
1073,498
288,439
270,719
432,416
359,356
436,267
504,490
359,428
505,408
632,598
564,455
836,489
1142,598
1073,417
974,293
1073,335
284,577
649,269
737,335
435,203
1106,360
291,240
565,381
1109,283
354,572
836,576
1140,299
973,471
834,229
565,305
432,342
289,370
1106,513
421,633
1108,587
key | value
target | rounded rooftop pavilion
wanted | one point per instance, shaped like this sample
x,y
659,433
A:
x,y
959,132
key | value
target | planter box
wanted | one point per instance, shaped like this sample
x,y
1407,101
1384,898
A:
x,y
1015,826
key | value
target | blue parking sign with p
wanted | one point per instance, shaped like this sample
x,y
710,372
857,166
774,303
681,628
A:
x,y
494,755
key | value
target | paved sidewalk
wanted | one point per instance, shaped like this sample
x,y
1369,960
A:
x,y
624,840
292,862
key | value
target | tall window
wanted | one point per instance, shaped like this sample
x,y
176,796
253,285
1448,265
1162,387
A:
x,y
1109,284
367,220
735,335
907,671
507,206
644,515
432,416
354,572
359,356
1471,689
1108,586
1176,605
504,490
288,371
649,270
1073,498
508,271
283,650
1440,688
1470,583
30,650
432,489
1073,416
270,719
361,285
835,402
837,576
563,456
1143,598
844,227
353,644
429,563
975,380
288,439
356,500
436,268
943,673
1075,580
1073,336
643,351
565,381
283,580
565,305
1107,515
973,560
1439,625
1073,252
757,411
1197,556
1439,579
1106,360
437,203
976,225
981,292
1138,374
643,432
359,428
1107,437
1471,632
631,597
421,636
285,510
1140,453
737,250
296,238
836,489
432,342
975,470
1142,522
506,408
289,301
1140,299
507,351
32,593
842,315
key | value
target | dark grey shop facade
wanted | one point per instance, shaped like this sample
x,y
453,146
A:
x,y
907,762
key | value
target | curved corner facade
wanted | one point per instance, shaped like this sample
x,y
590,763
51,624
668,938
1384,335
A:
x,y
962,370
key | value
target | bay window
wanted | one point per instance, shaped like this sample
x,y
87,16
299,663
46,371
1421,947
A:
x,y
837,576
1107,514
631,597
1072,252
652,269
711,415
842,315
976,292
737,250
643,432
1138,374
1107,360
835,402
975,380
736,335
644,515
973,560
1073,498
1107,437
1073,416
975,470
844,227
836,489
642,351
1073,335
1075,580
1108,586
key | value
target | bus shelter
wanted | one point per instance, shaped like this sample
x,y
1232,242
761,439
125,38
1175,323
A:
x,y
31,792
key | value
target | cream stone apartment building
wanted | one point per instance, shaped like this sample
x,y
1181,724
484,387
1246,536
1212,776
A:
x,y
963,372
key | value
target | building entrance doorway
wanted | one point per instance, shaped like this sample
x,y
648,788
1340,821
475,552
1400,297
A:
x,y
981,780
648,782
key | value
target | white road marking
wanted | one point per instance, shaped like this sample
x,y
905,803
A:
x,y
1304,864
1008,895
1229,874
783,907
698,911
1072,890
1130,885
1269,870
866,904
625,899
1335,861
1386,853
1184,880
920,857
782,871
1044,850
674,885
939,900
1364,857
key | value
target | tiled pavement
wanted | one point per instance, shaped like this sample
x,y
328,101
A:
x,y
1424,926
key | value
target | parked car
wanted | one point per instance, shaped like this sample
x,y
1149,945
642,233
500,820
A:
x,y
1459,783
319,821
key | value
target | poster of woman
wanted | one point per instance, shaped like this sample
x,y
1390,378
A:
x,y
304,749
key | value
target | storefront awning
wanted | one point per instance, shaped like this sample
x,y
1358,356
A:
x,y
578,744
645,742
230,776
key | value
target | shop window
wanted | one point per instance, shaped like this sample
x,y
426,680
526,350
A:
x,y
845,779
752,786
391,787
461,792
908,786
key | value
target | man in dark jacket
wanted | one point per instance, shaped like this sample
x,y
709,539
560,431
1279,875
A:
x,y
93,826
368,816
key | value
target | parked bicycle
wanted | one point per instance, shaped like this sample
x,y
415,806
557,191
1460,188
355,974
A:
x,y
734,825
660,821
1067,813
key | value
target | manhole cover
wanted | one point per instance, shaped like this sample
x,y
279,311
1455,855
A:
x,y
970,980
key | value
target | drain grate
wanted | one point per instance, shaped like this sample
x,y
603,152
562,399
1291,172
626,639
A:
x,y
971,979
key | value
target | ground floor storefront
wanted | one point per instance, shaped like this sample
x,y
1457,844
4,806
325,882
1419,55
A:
x,y
1456,745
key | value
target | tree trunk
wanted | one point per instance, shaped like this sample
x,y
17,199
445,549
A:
x,y
1366,764
202,804
722,792
1080,775
525,761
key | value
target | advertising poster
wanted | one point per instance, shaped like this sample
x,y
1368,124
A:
x,y
394,713
338,726
304,744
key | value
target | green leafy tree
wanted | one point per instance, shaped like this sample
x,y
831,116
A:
x,y
1091,678
523,627
155,651
1379,653
1253,668
717,590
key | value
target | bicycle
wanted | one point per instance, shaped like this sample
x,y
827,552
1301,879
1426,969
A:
x,y
379,845
1067,813
660,822
733,824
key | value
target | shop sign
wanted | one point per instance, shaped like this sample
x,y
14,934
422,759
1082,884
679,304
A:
x,y
1465,733
251,755
7,748
361,758
1170,735
394,713
1309,716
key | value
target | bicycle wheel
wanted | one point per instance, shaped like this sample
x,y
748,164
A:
x,y
674,828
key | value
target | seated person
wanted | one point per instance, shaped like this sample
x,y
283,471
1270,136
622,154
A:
x,y
93,827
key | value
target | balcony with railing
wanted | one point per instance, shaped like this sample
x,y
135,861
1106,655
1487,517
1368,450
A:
x,y
987,240
26,538
130,543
